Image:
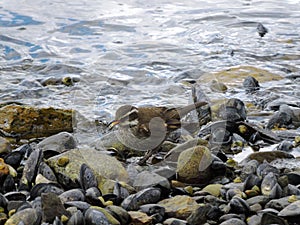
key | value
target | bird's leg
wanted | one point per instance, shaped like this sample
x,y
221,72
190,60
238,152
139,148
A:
x,y
148,154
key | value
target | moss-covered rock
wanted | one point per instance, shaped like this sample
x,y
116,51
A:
x,y
194,165
31,122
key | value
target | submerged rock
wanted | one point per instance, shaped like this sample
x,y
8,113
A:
x,y
236,75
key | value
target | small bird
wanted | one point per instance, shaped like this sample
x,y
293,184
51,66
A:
x,y
146,128
261,29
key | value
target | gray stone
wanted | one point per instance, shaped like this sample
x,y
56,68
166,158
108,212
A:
x,y
58,142
147,179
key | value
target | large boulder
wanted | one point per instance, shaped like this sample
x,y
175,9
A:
x,y
32,122
106,168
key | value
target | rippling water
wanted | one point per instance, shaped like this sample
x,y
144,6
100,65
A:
x,y
136,51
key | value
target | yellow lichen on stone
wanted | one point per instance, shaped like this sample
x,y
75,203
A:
x,y
63,161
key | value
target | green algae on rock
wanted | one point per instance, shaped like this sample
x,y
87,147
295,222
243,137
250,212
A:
x,y
32,122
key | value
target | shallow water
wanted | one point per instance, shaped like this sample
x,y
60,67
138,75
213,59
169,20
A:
x,y
139,51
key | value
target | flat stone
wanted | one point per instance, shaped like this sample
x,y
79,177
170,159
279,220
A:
x,y
180,206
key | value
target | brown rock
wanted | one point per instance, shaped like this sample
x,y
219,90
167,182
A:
x,y
32,122
139,218
180,206
52,207
4,145
269,156
4,169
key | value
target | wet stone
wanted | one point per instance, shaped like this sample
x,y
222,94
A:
x,y
76,218
194,165
119,213
31,122
146,196
27,216
239,205
175,221
72,195
52,207
229,216
294,177
233,110
147,179
78,204
269,218
199,216
5,146
180,206
233,221
254,220
269,181
291,210
140,218
104,167
217,86
213,189
269,156
95,217
278,204
110,218
59,142
260,199
250,84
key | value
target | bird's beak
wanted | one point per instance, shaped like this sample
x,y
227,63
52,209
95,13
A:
x,y
113,123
